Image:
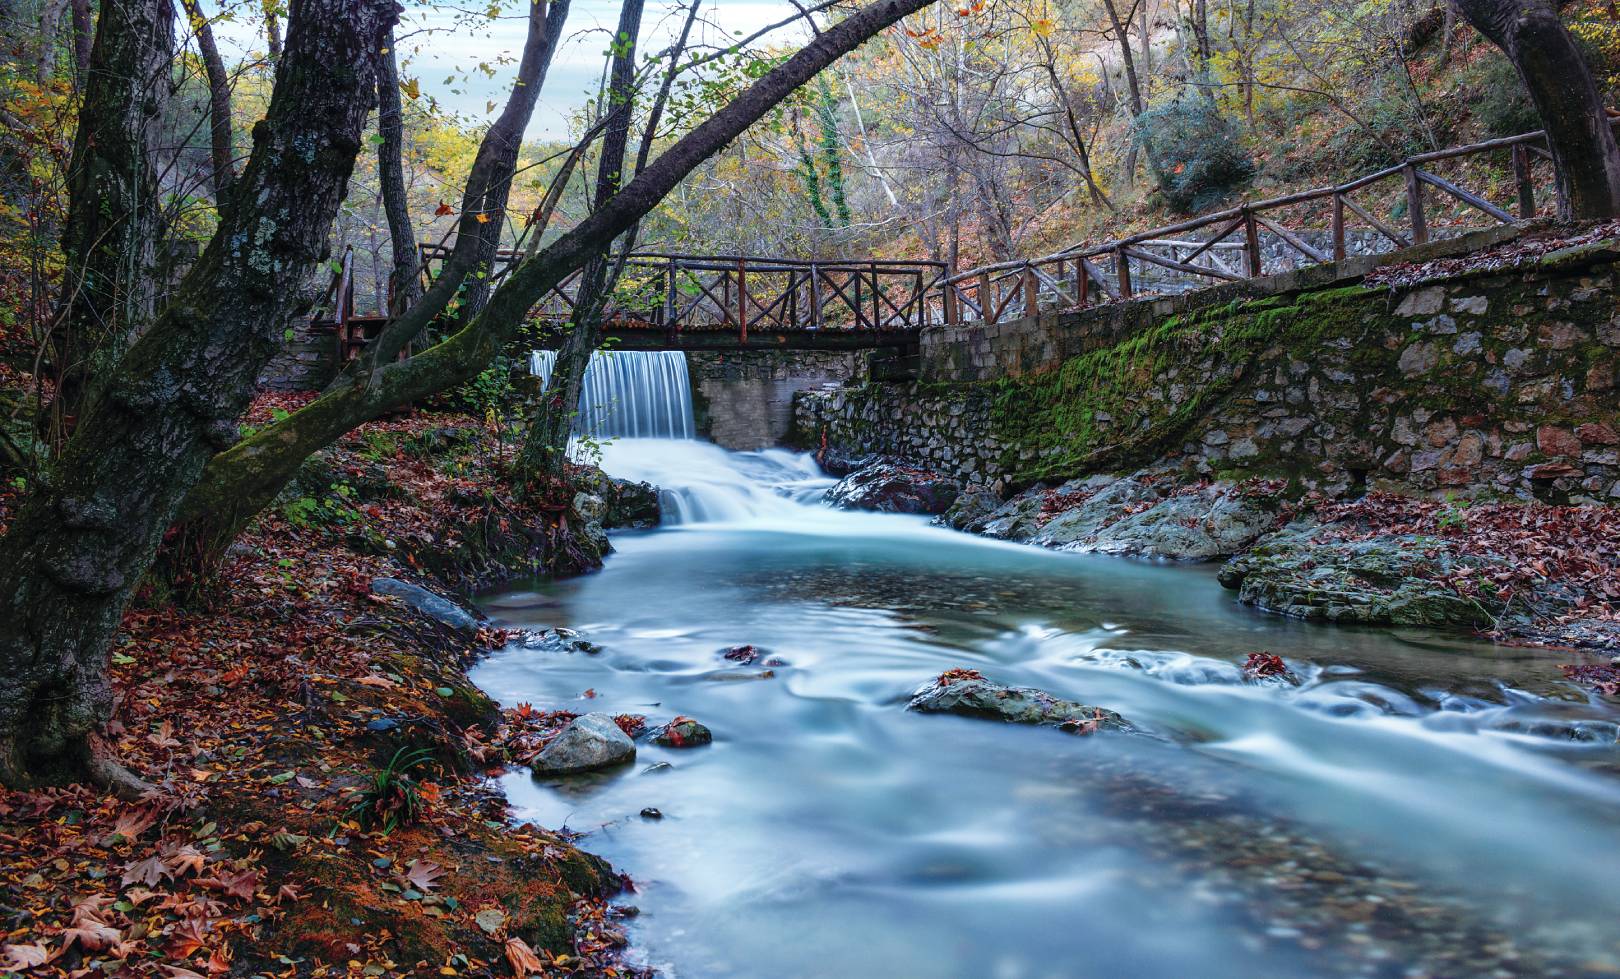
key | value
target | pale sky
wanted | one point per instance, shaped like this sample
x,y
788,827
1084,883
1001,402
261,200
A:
x,y
433,47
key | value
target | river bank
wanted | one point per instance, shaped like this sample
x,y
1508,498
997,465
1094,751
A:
x,y
1509,571
323,801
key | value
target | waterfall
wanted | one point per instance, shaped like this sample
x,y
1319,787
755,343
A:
x,y
630,394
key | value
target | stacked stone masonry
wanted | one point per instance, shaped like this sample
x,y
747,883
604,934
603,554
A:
x,y
1500,382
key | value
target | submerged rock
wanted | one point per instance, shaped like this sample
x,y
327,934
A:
x,y
967,693
436,607
890,486
588,743
559,641
683,732
1387,580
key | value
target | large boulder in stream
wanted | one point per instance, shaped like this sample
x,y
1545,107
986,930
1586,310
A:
x,y
968,693
1391,579
972,509
588,743
892,486
436,607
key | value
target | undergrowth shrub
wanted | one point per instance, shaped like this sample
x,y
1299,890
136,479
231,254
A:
x,y
1197,155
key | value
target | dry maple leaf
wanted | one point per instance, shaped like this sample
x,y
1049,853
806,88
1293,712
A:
x,y
184,858
240,885
289,893
187,938
19,957
148,872
92,934
376,681
131,823
423,874
522,957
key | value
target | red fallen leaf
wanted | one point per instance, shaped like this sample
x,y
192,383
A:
x,y
952,676
423,875
443,209
187,938
589,694
148,872
288,893
1264,664
238,885
184,858
131,823
522,958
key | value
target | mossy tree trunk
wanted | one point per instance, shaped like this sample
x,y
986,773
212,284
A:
x,y
1585,157
242,481
85,536
114,219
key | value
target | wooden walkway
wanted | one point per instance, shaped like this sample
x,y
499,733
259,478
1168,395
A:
x,y
714,302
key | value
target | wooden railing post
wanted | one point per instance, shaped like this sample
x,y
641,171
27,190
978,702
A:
x,y
742,301
1338,227
815,297
1251,245
1414,205
1122,265
987,303
1082,282
952,316
669,295
1032,291
877,299
1521,177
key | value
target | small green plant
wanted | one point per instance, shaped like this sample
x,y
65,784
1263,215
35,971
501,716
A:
x,y
393,798
1453,517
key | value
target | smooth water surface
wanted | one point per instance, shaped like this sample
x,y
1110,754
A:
x,y
1419,805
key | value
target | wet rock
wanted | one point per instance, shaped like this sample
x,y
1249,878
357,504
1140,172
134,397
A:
x,y
593,510
734,676
436,607
683,732
1387,580
971,510
1214,521
589,742
559,641
840,462
890,486
625,503
741,654
1077,527
658,768
967,693
1019,518
651,813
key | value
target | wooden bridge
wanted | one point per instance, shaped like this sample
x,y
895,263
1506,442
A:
x,y
669,301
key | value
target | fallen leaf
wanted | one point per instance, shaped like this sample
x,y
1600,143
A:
x,y
423,874
522,957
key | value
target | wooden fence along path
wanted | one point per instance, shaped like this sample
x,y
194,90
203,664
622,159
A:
x,y
673,301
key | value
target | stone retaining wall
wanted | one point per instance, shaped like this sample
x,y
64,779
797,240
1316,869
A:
x,y
1495,382
744,399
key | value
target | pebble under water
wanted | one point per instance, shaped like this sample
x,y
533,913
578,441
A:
x,y
1420,805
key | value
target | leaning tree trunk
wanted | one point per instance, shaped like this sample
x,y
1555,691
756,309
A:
x,y
241,482
85,537
114,219
1586,161
404,285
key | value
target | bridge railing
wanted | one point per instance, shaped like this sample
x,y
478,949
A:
x,y
674,292
1421,197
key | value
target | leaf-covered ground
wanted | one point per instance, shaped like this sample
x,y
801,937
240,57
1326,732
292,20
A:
x,y
262,698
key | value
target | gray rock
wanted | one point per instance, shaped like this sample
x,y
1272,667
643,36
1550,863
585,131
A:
x,y
683,732
1388,580
1214,522
968,694
1019,518
972,510
588,743
1076,527
436,607
889,486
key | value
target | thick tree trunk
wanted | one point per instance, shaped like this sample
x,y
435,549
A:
x,y
483,202
114,220
1585,158
404,285
84,36
220,154
87,534
545,448
240,482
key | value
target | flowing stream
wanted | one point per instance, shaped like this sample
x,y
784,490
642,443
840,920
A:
x,y
1419,805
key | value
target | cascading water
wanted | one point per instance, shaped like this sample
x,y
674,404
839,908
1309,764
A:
x,y
1418,805
630,394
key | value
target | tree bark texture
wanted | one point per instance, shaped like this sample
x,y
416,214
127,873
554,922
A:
x,y
114,217
240,482
405,286
1585,158
84,538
